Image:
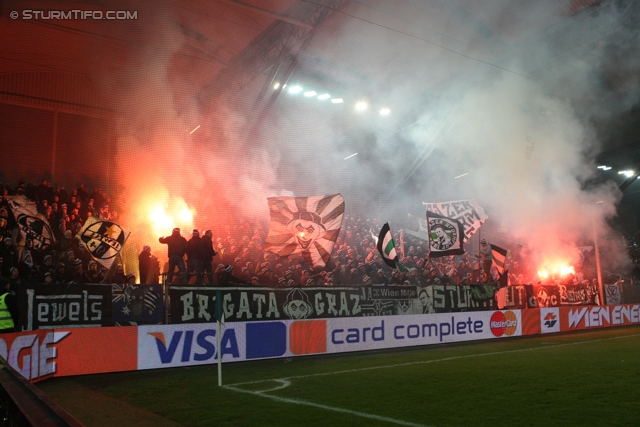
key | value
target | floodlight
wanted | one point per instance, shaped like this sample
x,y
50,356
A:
x,y
295,89
361,105
385,111
324,96
337,100
310,93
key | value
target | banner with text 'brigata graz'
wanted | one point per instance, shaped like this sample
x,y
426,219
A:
x,y
196,304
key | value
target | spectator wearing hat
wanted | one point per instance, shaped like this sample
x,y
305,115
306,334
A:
x,y
26,268
176,248
381,277
102,274
47,279
9,256
195,255
76,274
103,212
92,275
119,277
14,278
59,276
226,277
267,277
89,210
131,279
45,267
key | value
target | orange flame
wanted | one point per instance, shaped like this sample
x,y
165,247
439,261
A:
x,y
162,218
561,269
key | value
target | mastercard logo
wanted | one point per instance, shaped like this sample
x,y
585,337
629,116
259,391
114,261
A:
x,y
503,323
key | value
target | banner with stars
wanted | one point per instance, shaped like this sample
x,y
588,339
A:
x,y
102,239
137,304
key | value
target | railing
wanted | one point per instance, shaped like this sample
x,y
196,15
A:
x,y
22,404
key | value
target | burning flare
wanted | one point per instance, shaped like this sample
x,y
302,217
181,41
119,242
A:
x,y
559,269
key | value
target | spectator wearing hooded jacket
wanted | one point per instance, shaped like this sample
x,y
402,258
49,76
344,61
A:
x,y
195,256
146,263
176,248
208,253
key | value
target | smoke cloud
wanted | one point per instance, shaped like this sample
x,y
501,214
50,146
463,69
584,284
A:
x,y
481,112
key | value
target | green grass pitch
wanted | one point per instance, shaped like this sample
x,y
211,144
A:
x,y
579,379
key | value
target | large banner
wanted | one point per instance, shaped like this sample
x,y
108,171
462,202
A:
x,y
512,297
102,239
304,227
34,228
468,212
612,294
541,296
137,304
446,236
197,304
64,306
455,298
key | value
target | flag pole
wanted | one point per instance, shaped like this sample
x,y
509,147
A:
x,y
595,244
219,355
219,320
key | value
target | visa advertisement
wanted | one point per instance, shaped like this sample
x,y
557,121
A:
x,y
197,344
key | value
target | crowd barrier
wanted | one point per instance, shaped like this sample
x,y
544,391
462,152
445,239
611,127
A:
x,y
57,352
90,305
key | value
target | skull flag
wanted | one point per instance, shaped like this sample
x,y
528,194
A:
x,y
305,227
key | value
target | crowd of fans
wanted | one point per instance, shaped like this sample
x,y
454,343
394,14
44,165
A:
x,y
226,255
240,259
65,261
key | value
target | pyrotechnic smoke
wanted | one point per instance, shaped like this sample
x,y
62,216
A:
x,y
177,166
508,126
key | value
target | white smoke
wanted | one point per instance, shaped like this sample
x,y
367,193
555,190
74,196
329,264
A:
x,y
469,95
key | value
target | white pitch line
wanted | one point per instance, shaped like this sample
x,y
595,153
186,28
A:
x,y
326,407
422,362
